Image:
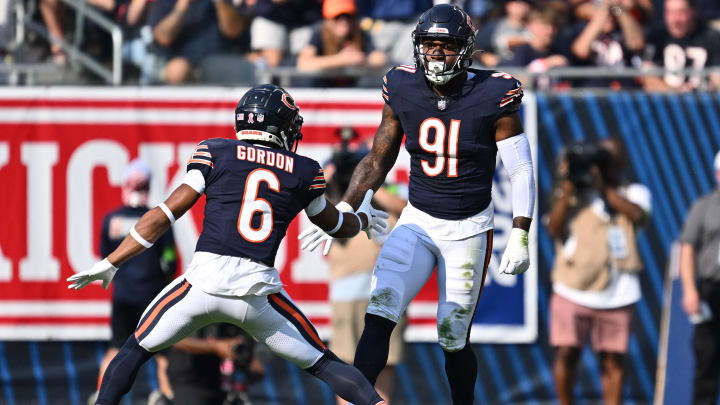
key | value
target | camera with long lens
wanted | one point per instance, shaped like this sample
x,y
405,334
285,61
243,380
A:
x,y
236,374
581,157
243,354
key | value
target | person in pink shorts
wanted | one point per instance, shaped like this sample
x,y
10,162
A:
x,y
593,221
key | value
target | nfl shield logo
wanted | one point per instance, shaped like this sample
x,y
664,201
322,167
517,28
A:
x,y
261,117
442,104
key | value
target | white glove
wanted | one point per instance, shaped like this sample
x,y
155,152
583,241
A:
x,y
102,270
314,236
379,237
515,259
376,218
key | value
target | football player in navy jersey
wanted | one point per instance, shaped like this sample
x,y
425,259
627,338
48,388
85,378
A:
x,y
254,185
455,120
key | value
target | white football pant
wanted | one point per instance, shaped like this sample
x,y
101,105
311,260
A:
x,y
406,262
180,309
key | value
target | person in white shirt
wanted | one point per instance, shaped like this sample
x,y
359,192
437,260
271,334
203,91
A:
x,y
595,275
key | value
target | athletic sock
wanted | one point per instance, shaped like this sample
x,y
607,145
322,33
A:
x,y
372,350
461,369
121,372
345,380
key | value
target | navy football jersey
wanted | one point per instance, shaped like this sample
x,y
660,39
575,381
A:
x,y
252,195
698,50
451,140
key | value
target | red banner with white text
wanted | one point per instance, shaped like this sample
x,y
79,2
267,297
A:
x,y
62,155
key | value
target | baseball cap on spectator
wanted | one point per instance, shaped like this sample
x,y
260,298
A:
x,y
334,8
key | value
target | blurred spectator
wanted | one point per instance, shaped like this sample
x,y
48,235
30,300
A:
x,y
53,14
281,27
684,42
142,277
477,9
186,31
339,42
351,267
201,369
499,37
593,221
390,24
612,38
540,53
642,10
700,276
137,36
7,25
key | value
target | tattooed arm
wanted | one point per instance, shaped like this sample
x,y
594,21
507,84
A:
x,y
371,171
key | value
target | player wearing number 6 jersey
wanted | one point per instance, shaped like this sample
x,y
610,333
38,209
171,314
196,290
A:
x,y
455,121
255,185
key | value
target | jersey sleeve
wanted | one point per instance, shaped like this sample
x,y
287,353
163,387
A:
x,y
317,184
202,160
313,183
393,82
509,94
386,88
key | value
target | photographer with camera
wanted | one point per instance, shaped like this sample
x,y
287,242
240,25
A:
x,y
593,220
202,368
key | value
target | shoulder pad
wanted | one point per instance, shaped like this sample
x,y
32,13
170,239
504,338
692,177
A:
x,y
507,90
393,77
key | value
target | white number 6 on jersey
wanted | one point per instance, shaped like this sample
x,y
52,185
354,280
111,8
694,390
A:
x,y
251,204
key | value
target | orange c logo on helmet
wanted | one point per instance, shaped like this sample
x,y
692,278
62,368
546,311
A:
x,y
288,101
469,22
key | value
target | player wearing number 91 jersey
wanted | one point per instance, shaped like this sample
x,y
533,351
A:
x,y
455,121
451,140
255,185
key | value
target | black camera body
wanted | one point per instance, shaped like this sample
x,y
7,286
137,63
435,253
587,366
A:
x,y
243,354
581,157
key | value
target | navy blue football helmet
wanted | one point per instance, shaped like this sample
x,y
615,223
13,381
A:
x,y
444,22
268,114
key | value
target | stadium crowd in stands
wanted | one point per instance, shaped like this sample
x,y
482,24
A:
x,y
227,41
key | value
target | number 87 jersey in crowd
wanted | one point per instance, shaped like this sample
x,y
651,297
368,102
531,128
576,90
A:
x,y
451,140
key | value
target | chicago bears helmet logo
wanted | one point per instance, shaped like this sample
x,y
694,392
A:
x,y
288,101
